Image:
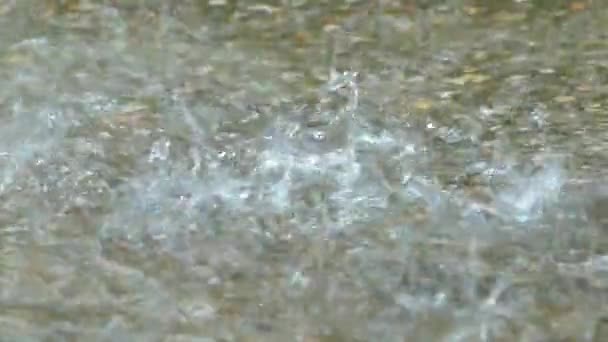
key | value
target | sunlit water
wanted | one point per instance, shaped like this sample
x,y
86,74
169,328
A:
x,y
351,171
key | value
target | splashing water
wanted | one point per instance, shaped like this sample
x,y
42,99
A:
x,y
168,174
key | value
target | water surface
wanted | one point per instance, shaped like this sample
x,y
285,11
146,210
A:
x,y
303,170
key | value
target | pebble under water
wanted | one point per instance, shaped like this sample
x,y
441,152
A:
x,y
302,171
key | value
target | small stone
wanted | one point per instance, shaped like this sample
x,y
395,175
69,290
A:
x,y
423,104
564,99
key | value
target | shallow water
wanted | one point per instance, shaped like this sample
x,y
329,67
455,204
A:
x,y
303,171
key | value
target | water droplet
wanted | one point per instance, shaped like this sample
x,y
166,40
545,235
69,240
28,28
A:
x,y
160,150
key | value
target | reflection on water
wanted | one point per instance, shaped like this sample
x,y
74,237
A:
x,y
303,171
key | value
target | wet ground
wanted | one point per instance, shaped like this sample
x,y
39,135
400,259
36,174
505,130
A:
x,y
303,170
